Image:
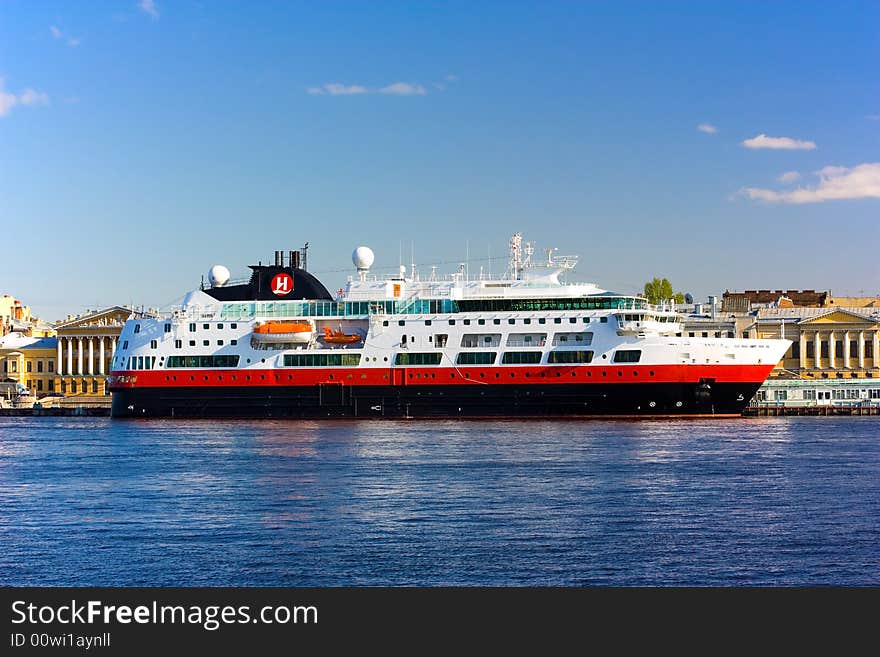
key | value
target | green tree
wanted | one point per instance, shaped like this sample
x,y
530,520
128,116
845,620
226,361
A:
x,y
660,289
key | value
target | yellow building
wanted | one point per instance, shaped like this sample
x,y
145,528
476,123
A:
x,y
84,351
29,361
827,342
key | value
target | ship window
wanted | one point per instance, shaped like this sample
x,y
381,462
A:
x,y
452,322
178,344
154,344
557,320
192,327
476,358
440,340
402,339
572,320
206,326
496,321
627,356
205,343
385,323
203,361
401,323
427,322
233,342
481,322
233,325
418,358
542,321
168,328
125,345
521,358
511,321
604,320
573,339
321,360
219,343
219,326
467,322
192,343
570,357
527,321
137,328
471,340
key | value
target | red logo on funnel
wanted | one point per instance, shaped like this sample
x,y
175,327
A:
x,y
282,284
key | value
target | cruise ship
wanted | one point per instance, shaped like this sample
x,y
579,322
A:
x,y
528,344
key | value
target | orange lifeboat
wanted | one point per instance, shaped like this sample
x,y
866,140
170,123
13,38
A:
x,y
296,332
338,337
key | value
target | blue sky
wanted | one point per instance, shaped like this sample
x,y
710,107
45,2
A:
x,y
142,142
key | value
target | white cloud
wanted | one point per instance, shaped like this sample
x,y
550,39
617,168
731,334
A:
x,y
404,89
789,177
73,43
873,117
835,183
149,7
337,89
55,31
33,97
451,77
28,97
708,128
786,143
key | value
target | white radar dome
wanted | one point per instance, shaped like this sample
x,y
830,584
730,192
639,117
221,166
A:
x,y
218,276
363,257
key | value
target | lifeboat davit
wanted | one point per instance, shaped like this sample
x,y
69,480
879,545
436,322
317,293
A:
x,y
338,337
296,332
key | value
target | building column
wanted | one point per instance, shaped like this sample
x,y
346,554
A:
x,y
817,348
69,356
803,351
875,346
101,355
113,352
846,350
832,360
58,357
79,356
91,355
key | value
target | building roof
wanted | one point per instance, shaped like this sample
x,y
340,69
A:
x,y
20,341
802,314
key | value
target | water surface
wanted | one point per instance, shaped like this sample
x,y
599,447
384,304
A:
x,y
93,501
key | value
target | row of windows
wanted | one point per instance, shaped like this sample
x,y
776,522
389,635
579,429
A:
x,y
12,365
141,362
74,389
511,321
513,305
224,360
178,344
193,326
420,307
415,358
476,358
570,357
321,360
39,383
810,394
795,349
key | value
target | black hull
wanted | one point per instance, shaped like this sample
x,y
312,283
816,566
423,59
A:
x,y
334,400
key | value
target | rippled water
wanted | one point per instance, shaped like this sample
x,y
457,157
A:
x,y
90,501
